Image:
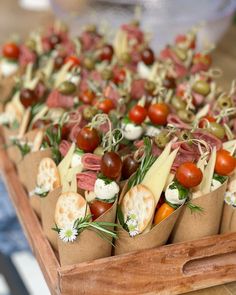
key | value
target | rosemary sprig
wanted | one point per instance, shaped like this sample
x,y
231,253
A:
x,y
54,139
147,161
24,148
194,208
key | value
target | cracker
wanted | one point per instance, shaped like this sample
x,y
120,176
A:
x,y
70,206
140,201
48,176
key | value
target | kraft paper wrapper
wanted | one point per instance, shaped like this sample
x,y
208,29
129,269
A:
x,y
6,86
35,203
228,224
157,236
28,168
13,151
194,226
88,245
48,206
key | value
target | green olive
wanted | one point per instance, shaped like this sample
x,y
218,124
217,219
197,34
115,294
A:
x,y
89,63
31,44
181,53
162,139
186,116
186,135
106,74
91,28
178,103
150,86
89,112
125,57
99,151
135,22
201,87
224,102
216,129
67,87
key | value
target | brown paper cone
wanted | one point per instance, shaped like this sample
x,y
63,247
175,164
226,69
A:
x,y
194,226
89,245
6,85
28,168
48,206
157,236
35,202
228,224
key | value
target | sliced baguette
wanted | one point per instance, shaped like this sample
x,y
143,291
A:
x,y
48,176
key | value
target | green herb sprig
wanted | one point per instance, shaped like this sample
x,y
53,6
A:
x,y
146,163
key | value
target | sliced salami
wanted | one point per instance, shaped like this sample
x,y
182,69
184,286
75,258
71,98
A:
x,y
86,180
58,100
91,162
177,122
64,147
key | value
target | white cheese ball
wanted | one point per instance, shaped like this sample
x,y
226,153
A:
x,y
215,184
73,78
76,160
143,70
172,196
8,68
152,131
131,131
105,191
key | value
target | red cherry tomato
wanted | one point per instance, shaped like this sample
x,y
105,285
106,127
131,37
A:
x,y
148,56
225,163
119,76
158,113
59,61
11,50
106,53
129,166
106,105
111,165
97,208
88,139
204,120
137,114
87,96
28,97
74,60
54,39
189,175
54,131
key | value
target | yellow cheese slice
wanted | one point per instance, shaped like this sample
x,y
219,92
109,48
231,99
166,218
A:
x,y
28,74
33,83
65,186
61,76
73,187
24,123
66,162
156,165
73,171
205,186
48,69
230,145
38,141
40,114
157,178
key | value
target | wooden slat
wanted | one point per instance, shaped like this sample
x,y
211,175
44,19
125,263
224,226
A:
x,y
171,269
31,225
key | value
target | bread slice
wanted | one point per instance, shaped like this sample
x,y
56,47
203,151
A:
x,y
140,201
70,206
48,176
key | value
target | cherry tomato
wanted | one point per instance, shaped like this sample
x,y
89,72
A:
x,y
129,166
106,53
163,212
189,175
97,208
39,124
111,165
11,50
28,97
225,163
74,60
88,139
106,105
54,131
137,114
119,76
87,96
59,61
158,113
148,56
204,120
202,58
169,83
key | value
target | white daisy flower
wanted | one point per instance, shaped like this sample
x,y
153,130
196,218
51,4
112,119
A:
x,y
68,234
132,224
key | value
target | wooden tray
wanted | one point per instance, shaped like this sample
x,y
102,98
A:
x,y
171,269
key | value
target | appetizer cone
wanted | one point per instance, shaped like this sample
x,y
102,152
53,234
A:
x,y
228,224
194,226
157,236
89,245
